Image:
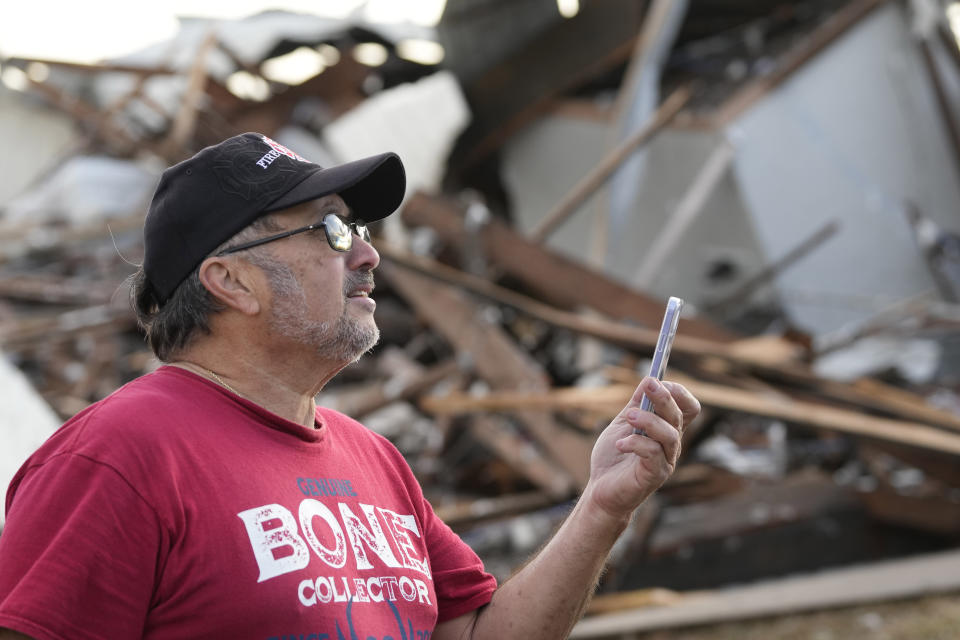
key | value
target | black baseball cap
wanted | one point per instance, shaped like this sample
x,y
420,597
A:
x,y
204,200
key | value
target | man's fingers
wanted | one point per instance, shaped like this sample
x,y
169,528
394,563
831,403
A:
x,y
664,404
654,432
689,406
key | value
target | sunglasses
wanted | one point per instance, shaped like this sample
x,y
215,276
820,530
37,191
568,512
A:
x,y
339,234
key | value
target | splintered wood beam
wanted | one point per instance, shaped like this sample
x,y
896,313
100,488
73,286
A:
x,y
770,272
54,290
637,599
850,15
867,583
809,414
556,278
117,138
496,359
465,512
523,84
378,395
599,175
100,67
522,456
176,143
29,331
614,332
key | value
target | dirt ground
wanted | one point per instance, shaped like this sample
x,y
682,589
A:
x,y
930,618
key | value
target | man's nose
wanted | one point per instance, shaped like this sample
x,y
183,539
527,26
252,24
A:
x,y
362,254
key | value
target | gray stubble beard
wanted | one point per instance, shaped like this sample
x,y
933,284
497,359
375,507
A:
x,y
350,338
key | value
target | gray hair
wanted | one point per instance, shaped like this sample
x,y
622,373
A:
x,y
170,327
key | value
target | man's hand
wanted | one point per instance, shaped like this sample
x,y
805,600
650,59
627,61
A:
x,y
625,468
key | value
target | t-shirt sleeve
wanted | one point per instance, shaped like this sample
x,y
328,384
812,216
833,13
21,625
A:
x,y
460,581
79,554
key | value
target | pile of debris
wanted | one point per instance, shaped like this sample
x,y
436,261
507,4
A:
x,y
502,356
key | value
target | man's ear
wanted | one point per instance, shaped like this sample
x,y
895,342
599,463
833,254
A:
x,y
231,283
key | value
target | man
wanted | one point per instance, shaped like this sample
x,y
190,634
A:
x,y
212,498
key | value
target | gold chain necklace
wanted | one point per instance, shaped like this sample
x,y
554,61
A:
x,y
221,381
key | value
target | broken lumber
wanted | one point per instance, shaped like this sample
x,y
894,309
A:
x,y
614,332
602,172
557,279
467,512
495,358
613,398
875,582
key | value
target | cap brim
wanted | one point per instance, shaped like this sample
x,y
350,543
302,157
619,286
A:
x,y
372,187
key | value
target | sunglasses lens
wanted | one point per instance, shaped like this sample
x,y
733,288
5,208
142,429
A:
x,y
338,233
363,233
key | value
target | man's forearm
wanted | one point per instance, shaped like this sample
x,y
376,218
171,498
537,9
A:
x,y
547,597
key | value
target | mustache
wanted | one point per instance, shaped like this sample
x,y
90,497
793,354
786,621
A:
x,y
363,278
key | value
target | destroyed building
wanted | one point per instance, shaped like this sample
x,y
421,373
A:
x,y
792,170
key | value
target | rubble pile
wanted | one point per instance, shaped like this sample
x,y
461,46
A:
x,y
501,356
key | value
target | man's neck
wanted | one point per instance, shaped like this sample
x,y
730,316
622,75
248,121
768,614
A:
x,y
289,393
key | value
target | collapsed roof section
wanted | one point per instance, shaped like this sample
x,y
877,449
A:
x,y
217,78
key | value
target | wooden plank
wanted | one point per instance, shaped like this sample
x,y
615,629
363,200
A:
x,y
495,358
850,15
634,337
708,177
902,402
518,89
808,414
876,582
176,144
116,138
380,395
99,67
557,279
28,332
935,514
800,497
55,290
751,284
467,512
637,599
599,175
520,455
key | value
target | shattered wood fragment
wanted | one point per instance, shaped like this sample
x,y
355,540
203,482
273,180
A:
x,y
868,583
934,513
117,139
64,326
469,512
616,333
100,67
521,86
379,395
626,600
20,240
176,145
807,414
847,17
559,280
799,497
499,361
608,165
521,456
54,290
766,275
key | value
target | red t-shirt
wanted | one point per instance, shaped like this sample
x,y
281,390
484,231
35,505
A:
x,y
175,509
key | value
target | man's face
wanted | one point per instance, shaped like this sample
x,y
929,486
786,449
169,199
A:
x,y
320,297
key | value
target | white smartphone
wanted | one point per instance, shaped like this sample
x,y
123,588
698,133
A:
x,y
668,330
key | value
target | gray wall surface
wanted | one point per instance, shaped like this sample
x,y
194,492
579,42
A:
x,y
851,136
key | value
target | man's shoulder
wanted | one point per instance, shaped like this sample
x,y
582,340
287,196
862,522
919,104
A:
x,y
136,415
